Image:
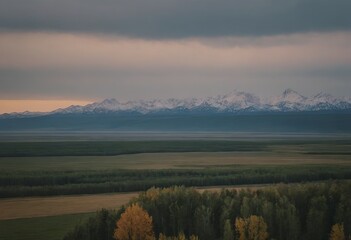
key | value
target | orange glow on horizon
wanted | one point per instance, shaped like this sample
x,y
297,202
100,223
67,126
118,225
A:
x,y
8,106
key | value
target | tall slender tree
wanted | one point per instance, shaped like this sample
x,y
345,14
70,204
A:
x,y
228,231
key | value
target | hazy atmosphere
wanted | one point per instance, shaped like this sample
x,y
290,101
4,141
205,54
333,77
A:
x,y
75,52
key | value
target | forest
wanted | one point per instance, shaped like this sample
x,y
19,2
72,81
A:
x,y
50,183
311,211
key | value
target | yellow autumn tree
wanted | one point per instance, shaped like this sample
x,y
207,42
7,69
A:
x,y
180,236
337,232
193,237
251,228
134,224
161,236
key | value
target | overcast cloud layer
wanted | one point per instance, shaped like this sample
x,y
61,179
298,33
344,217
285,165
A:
x,y
73,66
158,19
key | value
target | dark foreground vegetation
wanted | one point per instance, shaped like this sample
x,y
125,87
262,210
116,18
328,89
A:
x,y
313,211
49,183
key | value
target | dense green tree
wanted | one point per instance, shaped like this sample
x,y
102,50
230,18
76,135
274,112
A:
x,y
101,226
316,219
268,213
287,217
228,231
203,221
246,209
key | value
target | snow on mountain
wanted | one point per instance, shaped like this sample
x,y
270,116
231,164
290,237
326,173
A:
x,y
70,109
232,102
289,100
324,97
325,101
25,114
289,96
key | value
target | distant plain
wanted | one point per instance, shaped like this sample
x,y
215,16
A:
x,y
168,161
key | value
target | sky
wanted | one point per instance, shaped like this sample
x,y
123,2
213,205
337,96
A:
x,y
54,53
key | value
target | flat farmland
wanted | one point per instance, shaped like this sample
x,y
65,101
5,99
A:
x,y
32,207
131,161
168,160
113,148
59,205
70,168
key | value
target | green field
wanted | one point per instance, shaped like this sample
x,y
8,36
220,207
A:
x,y
40,228
112,148
82,156
165,161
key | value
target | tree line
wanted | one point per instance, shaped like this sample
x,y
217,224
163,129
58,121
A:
x,y
20,184
317,211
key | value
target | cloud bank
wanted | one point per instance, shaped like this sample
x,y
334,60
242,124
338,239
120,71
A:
x,y
174,19
74,66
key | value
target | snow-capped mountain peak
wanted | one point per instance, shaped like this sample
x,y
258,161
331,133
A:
x,y
289,100
324,97
289,91
236,96
232,102
291,96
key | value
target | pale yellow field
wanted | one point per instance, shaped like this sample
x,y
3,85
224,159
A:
x,y
28,207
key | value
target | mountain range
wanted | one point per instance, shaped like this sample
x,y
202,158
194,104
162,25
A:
x,y
235,102
237,111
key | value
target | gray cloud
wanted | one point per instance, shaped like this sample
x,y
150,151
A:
x,y
140,84
80,66
158,19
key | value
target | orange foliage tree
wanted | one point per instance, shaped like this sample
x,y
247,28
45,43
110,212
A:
x,y
135,224
337,232
251,228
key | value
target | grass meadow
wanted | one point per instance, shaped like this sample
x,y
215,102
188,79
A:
x,y
40,228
